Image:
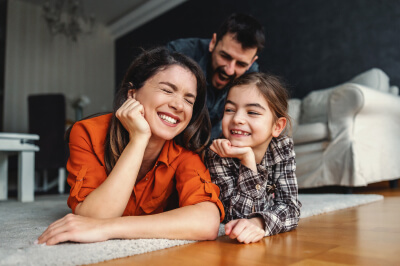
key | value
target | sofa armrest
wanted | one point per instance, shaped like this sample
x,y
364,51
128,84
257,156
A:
x,y
344,103
351,100
364,126
294,110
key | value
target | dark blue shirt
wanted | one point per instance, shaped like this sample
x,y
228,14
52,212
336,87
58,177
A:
x,y
197,49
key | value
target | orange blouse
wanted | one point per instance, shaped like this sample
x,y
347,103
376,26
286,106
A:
x,y
175,166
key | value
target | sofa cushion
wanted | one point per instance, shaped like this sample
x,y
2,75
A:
x,y
394,90
315,104
374,78
311,133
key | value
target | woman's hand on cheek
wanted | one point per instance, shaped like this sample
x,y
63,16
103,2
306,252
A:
x,y
244,231
74,228
131,115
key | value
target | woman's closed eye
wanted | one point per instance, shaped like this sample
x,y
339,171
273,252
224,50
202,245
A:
x,y
189,101
229,110
168,91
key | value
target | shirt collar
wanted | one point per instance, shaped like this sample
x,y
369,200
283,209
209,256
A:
x,y
275,153
169,152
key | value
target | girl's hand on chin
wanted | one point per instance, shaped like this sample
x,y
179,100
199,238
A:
x,y
74,228
224,148
131,115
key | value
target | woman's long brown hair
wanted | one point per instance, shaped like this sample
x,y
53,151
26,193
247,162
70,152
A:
x,y
197,133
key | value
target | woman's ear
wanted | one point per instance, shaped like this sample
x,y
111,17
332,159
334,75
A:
x,y
131,93
278,127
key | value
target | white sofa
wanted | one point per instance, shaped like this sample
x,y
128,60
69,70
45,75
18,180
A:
x,y
348,135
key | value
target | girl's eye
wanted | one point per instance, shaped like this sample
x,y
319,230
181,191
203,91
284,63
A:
x,y
253,113
228,110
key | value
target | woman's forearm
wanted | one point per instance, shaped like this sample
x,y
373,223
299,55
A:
x,y
194,222
110,198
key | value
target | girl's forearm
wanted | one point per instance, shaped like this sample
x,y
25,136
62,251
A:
x,y
194,222
110,198
249,161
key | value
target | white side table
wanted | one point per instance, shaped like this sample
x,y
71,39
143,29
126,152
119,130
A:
x,y
23,144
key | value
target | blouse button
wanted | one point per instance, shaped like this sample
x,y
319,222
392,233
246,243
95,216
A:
x,y
147,178
258,186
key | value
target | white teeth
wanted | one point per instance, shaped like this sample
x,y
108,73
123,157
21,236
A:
x,y
239,132
168,119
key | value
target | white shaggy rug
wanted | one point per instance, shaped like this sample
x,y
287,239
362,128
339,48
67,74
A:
x,y
22,223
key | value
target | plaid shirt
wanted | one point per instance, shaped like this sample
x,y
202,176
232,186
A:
x,y
271,193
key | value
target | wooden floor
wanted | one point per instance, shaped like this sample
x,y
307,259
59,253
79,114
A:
x,y
365,235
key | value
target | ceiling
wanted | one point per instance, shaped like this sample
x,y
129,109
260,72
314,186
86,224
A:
x,y
105,11
122,16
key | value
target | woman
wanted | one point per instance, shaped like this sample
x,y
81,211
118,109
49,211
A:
x,y
124,166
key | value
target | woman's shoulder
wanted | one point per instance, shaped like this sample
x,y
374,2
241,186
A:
x,y
93,127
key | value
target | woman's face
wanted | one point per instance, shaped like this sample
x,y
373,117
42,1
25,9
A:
x,y
168,99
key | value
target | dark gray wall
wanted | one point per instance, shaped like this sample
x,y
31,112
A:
x,y
3,20
313,44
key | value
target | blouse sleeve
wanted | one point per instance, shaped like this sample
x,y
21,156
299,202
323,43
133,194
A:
x,y
194,184
85,168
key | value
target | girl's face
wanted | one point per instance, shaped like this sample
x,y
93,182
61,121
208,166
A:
x,y
168,98
248,121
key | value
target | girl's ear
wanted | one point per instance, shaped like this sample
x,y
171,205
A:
x,y
278,127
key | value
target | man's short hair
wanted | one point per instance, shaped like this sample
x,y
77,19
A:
x,y
246,30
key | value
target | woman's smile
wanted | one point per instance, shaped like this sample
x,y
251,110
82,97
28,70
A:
x,y
168,119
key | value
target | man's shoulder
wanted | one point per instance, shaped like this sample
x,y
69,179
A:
x,y
254,68
192,47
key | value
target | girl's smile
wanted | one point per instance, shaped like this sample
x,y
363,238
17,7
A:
x,y
239,133
248,120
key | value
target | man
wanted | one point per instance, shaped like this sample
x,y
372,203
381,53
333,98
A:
x,y
230,53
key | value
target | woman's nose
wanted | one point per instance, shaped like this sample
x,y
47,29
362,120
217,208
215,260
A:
x,y
176,104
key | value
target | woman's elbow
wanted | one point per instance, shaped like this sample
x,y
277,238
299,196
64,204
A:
x,y
209,224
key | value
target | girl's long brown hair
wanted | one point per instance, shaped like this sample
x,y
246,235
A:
x,y
273,89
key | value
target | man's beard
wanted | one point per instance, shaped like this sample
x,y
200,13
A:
x,y
223,76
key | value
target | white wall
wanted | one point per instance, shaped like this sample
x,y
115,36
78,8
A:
x,y
37,62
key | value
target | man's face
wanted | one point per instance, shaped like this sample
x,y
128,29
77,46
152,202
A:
x,y
229,60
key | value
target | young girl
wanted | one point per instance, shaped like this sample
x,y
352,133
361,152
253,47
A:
x,y
254,166
123,167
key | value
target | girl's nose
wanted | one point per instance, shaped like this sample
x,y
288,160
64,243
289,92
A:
x,y
238,119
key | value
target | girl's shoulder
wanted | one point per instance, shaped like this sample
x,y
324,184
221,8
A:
x,y
282,148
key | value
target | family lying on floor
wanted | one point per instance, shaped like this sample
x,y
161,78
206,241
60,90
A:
x,y
181,153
